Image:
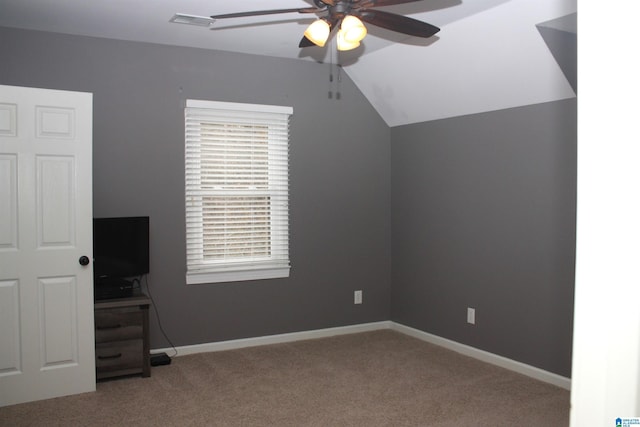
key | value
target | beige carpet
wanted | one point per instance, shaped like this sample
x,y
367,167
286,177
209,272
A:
x,y
380,378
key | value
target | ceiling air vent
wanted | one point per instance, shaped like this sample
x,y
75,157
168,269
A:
x,y
199,21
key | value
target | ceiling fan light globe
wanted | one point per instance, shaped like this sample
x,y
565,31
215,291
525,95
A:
x,y
353,28
344,44
318,32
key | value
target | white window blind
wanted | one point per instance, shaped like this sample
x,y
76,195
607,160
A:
x,y
237,191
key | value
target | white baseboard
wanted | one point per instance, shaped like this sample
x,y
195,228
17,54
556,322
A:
x,y
494,359
276,339
485,356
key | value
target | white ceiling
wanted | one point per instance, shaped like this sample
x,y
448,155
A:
x,y
488,55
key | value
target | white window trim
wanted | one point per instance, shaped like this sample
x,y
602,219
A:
x,y
246,269
237,276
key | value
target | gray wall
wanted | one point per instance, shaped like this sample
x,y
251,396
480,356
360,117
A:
x,y
483,205
339,176
483,216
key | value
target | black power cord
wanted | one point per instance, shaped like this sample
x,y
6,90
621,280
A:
x,y
155,310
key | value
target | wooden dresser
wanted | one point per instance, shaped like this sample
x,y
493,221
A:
x,y
122,336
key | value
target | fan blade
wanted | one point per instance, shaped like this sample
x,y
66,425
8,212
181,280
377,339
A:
x,y
398,23
266,12
378,3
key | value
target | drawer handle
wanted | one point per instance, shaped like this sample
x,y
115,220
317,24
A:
x,y
115,356
102,328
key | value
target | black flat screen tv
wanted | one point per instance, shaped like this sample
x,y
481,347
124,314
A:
x,y
120,252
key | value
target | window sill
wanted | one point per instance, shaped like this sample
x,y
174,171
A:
x,y
237,276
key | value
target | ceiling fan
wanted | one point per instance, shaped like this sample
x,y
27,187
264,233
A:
x,y
348,14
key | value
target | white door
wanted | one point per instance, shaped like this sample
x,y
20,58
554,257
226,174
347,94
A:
x,y
46,296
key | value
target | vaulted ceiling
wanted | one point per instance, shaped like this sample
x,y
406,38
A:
x,y
489,54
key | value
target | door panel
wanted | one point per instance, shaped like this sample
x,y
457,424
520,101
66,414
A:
x,y
8,202
59,346
8,122
55,122
55,191
9,328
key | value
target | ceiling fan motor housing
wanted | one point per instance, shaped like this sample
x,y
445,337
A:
x,y
337,9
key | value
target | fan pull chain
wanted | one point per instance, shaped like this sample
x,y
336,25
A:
x,y
330,69
338,67
339,81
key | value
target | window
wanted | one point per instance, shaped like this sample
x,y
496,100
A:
x,y
237,191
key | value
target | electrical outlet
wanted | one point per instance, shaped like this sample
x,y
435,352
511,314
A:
x,y
357,297
471,315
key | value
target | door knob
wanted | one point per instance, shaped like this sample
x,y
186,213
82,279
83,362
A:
x,y
84,260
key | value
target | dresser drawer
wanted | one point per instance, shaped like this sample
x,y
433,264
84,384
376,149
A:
x,y
122,336
119,355
118,324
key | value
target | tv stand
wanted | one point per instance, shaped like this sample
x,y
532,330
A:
x,y
122,336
